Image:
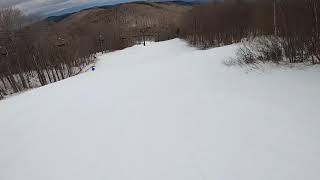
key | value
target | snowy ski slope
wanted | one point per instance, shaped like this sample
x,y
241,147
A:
x,y
165,112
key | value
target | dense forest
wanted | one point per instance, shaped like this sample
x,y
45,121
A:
x,y
271,30
287,29
39,54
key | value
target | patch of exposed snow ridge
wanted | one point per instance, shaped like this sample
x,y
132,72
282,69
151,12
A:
x,y
165,112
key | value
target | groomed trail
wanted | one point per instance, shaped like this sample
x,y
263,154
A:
x,y
166,111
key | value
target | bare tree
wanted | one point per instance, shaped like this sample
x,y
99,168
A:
x,y
11,19
275,17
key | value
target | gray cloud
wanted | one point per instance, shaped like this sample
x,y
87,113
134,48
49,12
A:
x,y
10,2
43,6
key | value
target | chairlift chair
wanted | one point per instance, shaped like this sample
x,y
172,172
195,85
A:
x,y
60,42
3,51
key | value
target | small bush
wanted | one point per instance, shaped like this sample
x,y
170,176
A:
x,y
258,50
269,49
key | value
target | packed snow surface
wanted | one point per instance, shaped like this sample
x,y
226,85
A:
x,y
165,112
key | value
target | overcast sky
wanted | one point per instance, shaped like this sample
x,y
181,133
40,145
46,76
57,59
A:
x,y
44,6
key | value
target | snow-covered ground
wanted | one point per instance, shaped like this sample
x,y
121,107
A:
x,y
165,112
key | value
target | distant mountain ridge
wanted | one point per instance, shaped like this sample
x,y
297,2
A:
x,y
70,11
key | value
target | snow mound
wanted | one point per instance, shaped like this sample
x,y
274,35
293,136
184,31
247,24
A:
x,y
165,112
